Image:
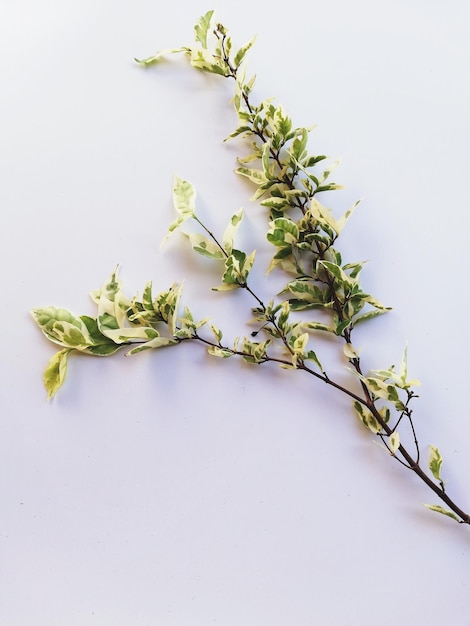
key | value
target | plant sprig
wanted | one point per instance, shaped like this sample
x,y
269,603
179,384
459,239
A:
x,y
287,181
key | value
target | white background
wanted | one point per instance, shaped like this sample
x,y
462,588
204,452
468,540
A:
x,y
172,489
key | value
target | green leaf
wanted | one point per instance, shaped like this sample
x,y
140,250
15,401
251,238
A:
x,y
54,374
202,28
440,509
435,462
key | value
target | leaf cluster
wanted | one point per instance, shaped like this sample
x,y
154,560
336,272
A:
x,y
320,286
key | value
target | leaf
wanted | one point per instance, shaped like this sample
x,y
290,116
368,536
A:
x,y
343,220
440,509
184,202
253,174
403,375
367,316
184,196
159,56
220,352
311,356
313,160
435,462
336,272
157,342
207,62
265,156
283,315
297,150
226,287
54,374
306,290
275,202
366,417
217,333
205,246
172,302
101,345
317,326
202,28
231,231
283,232
62,328
300,343
240,55
394,442
349,351
237,268
254,352
110,316
238,131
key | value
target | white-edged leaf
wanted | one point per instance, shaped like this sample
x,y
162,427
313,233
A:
x,y
317,326
231,231
202,28
366,417
184,202
350,351
240,55
184,196
153,344
394,442
220,352
203,60
255,175
54,374
205,246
